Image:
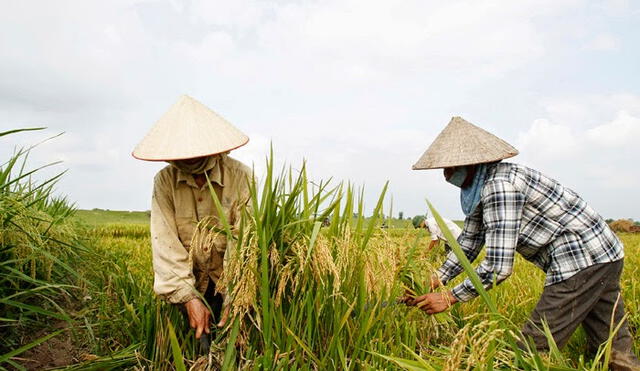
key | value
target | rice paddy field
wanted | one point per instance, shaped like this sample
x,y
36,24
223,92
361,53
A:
x,y
76,290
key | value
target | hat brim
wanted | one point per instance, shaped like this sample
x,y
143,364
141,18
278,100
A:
x,y
414,167
189,157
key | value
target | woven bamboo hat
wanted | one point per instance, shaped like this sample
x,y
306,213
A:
x,y
188,130
462,143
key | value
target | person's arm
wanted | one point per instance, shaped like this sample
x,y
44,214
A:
x,y
173,273
502,215
470,241
433,244
173,276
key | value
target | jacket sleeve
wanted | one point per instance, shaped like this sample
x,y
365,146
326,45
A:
x,y
502,216
173,274
470,240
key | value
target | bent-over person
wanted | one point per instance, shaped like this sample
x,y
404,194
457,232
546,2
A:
x,y
511,208
437,235
189,251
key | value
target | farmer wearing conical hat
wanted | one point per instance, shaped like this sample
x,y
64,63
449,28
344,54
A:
x,y
511,208
187,257
437,236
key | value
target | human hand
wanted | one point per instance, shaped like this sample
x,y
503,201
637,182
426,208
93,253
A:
x,y
434,302
407,296
198,316
224,317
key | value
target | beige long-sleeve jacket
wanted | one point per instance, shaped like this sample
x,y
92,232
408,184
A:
x,y
178,204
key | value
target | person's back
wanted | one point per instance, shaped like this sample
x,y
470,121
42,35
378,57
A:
x,y
436,233
558,230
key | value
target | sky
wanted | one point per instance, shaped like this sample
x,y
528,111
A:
x,y
358,88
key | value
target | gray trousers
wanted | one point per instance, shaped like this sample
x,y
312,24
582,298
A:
x,y
590,297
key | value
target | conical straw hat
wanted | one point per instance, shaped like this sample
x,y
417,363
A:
x,y
189,129
462,143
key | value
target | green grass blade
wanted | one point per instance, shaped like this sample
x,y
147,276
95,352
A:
x,y
462,258
178,360
19,130
230,352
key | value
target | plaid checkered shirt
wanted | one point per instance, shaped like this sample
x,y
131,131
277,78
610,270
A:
x,y
549,225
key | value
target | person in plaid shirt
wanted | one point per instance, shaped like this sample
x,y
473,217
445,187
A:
x,y
511,208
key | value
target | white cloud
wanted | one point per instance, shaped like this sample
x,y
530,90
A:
x,y
600,159
622,132
603,42
358,35
620,8
549,141
357,87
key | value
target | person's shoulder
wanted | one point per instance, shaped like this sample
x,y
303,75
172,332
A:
x,y
165,174
510,170
504,171
503,179
522,177
237,166
506,175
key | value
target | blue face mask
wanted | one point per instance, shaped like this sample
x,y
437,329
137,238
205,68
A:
x,y
458,177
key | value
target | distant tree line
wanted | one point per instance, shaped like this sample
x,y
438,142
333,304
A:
x,y
624,225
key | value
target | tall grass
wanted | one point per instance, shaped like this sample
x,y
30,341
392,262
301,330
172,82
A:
x,y
311,297
36,246
122,316
454,339
304,296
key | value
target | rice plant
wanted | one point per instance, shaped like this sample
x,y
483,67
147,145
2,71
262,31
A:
x,y
309,297
36,246
314,286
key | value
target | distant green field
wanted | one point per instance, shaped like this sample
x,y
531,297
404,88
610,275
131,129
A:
x,y
99,217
